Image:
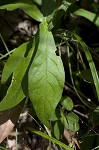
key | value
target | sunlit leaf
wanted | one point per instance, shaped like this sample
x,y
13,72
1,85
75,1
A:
x,y
46,76
13,62
15,92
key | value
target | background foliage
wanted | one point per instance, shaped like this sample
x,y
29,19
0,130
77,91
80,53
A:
x,y
54,72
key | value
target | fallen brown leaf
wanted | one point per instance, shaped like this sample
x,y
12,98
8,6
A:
x,y
8,118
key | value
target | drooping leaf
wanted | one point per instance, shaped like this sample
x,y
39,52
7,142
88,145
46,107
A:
x,y
49,138
8,118
46,76
88,15
67,103
15,92
13,62
29,9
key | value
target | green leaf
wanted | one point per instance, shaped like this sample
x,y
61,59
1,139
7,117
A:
x,y
72,122
56,115
46,76
29,9
13,62
88,15
91,64
15,92
67,103
72,117
58,129
49,138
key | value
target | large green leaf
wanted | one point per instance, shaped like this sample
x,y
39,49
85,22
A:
x,y
13,62
29,9
15,92
46,76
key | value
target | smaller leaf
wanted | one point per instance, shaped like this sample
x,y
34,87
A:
x,y
72,121
67,103
58,129
72,117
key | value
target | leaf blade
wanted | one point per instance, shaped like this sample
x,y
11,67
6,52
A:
x,y
15,92
46,76
88,15
13,62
